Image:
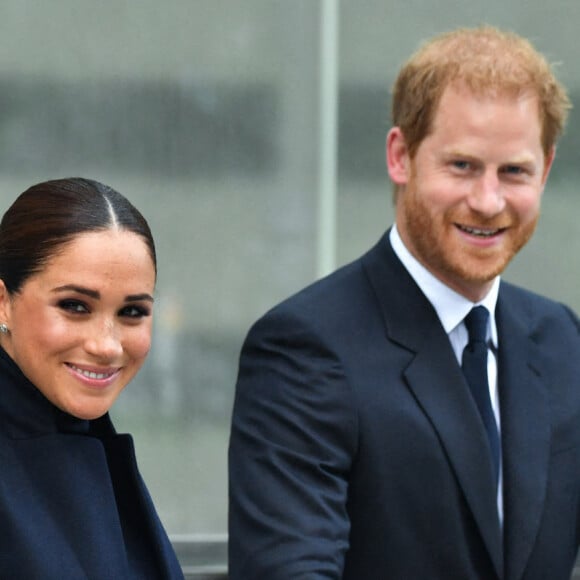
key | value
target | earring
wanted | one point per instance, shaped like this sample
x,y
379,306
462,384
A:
x,y
3,328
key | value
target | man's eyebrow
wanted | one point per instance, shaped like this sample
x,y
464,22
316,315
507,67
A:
x,y
95,294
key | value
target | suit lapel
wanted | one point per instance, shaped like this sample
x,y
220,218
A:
x,y
439,387
525,433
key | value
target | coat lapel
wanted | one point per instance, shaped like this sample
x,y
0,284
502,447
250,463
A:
x,y
439,387
525,433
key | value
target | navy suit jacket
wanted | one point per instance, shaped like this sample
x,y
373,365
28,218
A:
x,y
357,452
73,505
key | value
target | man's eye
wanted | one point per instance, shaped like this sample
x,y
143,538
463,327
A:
x,y
74,306
513,169
459,164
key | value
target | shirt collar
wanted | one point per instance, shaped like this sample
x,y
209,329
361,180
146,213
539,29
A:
x,y
450,306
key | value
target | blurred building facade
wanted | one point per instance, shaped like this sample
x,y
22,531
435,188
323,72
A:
x,y
210,116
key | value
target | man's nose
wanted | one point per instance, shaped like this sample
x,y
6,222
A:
x,y
486,196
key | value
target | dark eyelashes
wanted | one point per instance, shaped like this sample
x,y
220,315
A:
x,y
72,305
78,307
134,311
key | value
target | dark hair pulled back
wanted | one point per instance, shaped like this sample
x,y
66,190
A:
x,y
50,214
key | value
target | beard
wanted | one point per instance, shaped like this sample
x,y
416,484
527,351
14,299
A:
x,y
434,240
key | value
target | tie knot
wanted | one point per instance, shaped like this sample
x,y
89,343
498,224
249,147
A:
x,y
476,324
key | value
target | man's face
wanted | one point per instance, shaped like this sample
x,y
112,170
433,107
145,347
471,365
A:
x,y
470,198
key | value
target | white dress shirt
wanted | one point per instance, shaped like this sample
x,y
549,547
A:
x,y
452,308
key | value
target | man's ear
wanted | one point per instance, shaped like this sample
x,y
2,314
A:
x,y
397,157
548,165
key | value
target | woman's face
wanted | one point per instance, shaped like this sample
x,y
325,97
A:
x,y
81,328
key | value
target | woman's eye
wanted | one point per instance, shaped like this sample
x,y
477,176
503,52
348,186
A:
x,y
74,306
134,311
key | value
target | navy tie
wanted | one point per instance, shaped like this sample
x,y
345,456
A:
x,y
474,365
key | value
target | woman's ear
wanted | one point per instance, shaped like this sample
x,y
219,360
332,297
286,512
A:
x,y
5,305
397,157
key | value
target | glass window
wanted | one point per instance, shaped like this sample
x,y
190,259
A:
x,y
210,115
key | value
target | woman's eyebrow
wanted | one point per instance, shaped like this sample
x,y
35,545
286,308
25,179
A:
x,y
95,294
79,289
139,297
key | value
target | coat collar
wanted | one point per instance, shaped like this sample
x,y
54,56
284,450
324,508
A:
x,y
25,412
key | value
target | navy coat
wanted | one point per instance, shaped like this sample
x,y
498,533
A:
x,y
73,505
358,453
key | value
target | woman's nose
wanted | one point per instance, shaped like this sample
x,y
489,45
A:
x,y
104,341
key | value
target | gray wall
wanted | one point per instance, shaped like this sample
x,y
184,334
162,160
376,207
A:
x,y
206,114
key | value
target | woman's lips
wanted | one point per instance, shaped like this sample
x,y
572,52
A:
x,y
94,376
